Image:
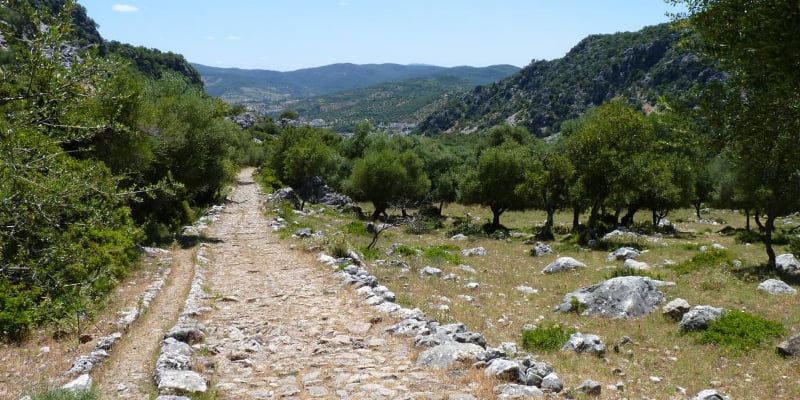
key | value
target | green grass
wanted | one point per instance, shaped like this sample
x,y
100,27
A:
x,y
546,338
61,394
628,271
442,253
711,258
740,331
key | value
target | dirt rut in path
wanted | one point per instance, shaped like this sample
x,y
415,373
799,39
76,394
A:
x,y
128,373
282,327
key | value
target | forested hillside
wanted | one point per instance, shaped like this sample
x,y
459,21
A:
x,y
639,66
98,154
240,85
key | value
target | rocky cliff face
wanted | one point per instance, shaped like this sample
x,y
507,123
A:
x,y
640,66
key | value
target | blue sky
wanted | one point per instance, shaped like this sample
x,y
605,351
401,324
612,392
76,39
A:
x,y
285,35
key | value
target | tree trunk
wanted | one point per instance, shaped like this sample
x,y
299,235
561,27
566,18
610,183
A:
x,y
576,218
496,212
593,219
757,217
441,207
747,220
697,206
379,209
627,219
769,226
546,233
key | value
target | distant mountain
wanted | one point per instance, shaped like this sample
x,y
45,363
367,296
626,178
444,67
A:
x,y
640,66
271,87
402,102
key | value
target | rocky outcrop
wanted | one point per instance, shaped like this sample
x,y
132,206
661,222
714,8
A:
x,y
710,394
621,297
563,264
623,253
245,120
585,343
775,286
541,249
790,347
788,264
676,308
698,318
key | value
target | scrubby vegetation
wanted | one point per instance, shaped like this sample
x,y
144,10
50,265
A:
x,y
95,159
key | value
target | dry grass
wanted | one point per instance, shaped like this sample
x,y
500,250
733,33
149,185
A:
x,y
499,311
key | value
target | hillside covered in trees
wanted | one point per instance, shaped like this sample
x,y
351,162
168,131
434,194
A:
x,y
639,66
105,147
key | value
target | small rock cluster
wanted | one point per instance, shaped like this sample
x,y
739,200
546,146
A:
x,y
451,345
210,216
620,297
173,372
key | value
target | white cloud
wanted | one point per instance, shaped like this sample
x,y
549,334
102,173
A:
x,y
234,37
210,37
124,8
342,4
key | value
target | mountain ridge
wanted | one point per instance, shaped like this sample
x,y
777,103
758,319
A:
x,y
256,85
641,66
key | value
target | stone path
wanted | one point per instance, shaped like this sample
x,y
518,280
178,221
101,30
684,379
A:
x,y
283,328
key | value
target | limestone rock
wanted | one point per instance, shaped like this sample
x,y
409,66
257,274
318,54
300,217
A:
x,y
460,236
590,388
787,264
775,286
541,249
513,391
676,308
81,383
623,253
585,343
621,297
710,394
563,264
477,251
502,369
448,354
699,317
552,383
174,381
790,347
637,265
431,271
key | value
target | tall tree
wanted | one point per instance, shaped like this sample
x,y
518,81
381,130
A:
x,y
387,178
759,115
493,181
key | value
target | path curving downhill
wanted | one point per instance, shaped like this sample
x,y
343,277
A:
x,y
282,328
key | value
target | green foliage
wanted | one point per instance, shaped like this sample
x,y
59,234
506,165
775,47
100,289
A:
x,y
61,394
713,258
356,228
546,338
338,249
370,253
465,226
740,331
442,253
638,66
493,181
405,251
386,178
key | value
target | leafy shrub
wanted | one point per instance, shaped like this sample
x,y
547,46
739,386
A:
x,y
708,259
546,338
741,331
441,253
356,228
465,226
370,253
404,250
338,249
794,246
